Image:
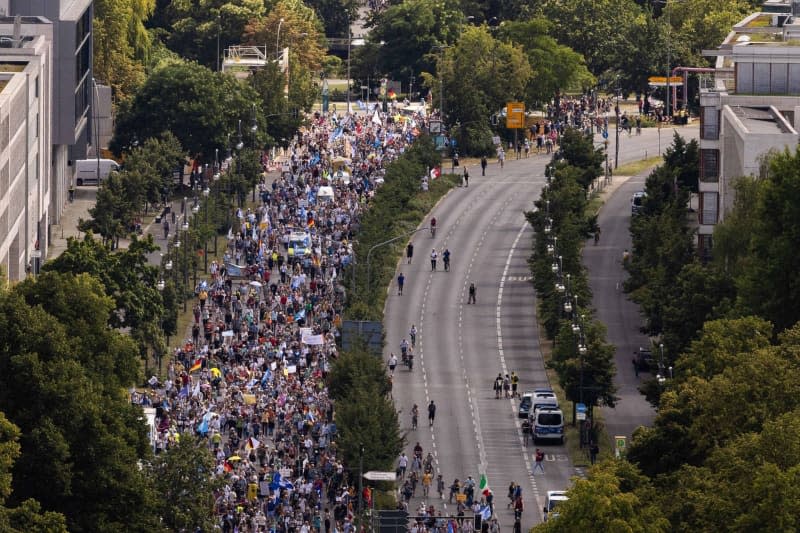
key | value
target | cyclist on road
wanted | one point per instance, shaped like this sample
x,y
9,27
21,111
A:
x,y
433,227
401,280
446,259
404,349
413,334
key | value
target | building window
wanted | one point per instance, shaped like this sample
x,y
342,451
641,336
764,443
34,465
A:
x,y
709,123
709,166
709,208
36,87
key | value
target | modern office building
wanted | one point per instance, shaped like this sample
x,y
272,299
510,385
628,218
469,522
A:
x,y
25,143
751,108
71,117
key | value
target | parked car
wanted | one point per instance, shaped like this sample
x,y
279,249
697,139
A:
x,y
637,202
547,423
525,404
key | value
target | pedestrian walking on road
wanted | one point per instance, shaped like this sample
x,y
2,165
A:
x,y
402,464
594,449
434,255
472,291
165,226
409,252
483,165
498,386
466,177
539,463
401,279
431,413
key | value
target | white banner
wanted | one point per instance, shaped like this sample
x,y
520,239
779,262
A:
x,y
314,340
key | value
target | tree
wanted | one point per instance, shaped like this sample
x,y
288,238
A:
x,y
498,72
128,278
192,28
616,37
412,29
28,517
185,481
203,109
80,439
767,284
121,43
615,497
355,367
336,15
555,67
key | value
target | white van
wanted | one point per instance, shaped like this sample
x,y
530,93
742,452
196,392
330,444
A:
x,y
86,170
554,497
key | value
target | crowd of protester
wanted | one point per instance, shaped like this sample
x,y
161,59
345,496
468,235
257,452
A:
x,y
250,378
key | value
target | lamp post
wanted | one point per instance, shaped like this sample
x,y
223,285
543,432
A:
x,y
206,192
253,131
278,38
185,228
195,210
616,147
160,286
219,30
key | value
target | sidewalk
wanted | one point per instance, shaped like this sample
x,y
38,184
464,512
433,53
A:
x,y
73,212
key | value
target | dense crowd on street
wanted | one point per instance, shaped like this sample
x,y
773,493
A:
x,y
251,377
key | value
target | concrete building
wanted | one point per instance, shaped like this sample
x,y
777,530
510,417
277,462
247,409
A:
x,y
751,108
70,120
25,143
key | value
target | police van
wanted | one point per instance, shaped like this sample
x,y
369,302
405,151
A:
x,y
299,244
547,423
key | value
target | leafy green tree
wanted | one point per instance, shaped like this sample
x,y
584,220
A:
x,y
80,439
766,285
732,235
616,37
366,419
153,164
205,110
699,294
352,369
128,278
615,497
336,15
410,31
28,517
192,28
555,67
185,481
121,43
498,72
114,208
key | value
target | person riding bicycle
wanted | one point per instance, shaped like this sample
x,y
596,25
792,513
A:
x,y
446,258
413,334
404,349
418,450
433,226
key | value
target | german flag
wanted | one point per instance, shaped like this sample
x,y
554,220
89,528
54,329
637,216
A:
x,y
198,364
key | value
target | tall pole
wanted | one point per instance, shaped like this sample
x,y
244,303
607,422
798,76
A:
x,y
219,29
616,148
278,38
349,42
668,109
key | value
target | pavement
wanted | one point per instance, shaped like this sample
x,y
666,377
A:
x,y
73,213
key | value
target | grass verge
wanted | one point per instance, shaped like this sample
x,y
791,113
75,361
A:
x,y
636,167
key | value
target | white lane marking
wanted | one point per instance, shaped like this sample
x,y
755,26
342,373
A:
x,y
521,438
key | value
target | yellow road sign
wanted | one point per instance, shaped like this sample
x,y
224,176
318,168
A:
x,y
515,115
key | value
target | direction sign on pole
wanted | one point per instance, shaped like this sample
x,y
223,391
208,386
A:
x,y
515,115
375,475
620,444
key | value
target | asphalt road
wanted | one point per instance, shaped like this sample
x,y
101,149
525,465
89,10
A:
x,y
620,315
461,347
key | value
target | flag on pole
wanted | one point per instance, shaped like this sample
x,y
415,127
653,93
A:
x,y
483,483
198,364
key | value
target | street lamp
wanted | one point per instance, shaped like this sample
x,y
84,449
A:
x,y
206,192
185,228
278,38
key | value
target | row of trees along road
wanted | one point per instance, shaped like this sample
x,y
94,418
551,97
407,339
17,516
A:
x,y
561,226
722,453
